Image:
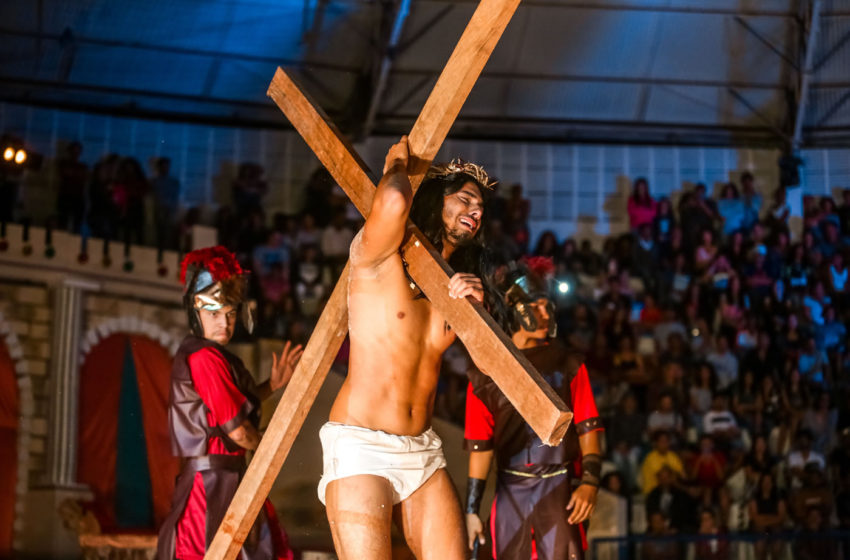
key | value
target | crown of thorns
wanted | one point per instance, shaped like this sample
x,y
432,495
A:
x,y
459,166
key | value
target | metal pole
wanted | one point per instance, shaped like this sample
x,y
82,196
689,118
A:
x,y
803,99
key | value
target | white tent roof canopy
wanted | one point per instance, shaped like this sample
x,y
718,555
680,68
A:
x,y
636,71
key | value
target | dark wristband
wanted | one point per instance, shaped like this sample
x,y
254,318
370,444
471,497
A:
x,y
474,493
591,469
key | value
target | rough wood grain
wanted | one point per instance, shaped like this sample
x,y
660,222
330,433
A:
x,y
471,53
118,541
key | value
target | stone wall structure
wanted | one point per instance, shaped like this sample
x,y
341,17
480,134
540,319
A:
x,y
54,308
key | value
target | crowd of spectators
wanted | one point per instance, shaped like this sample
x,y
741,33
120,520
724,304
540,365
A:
x,y
717,350
110,199
716,345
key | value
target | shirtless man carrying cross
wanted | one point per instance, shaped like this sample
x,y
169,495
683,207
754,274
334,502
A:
x,y
382,460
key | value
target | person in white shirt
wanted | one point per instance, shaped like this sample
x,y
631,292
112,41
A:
x,y
719,422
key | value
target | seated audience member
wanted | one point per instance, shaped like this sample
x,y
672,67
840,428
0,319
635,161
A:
x,y
831,240
821,420
661,549
801,456
668,326
580,329
750,200
761,360
641,208
674,503
274,251
706,253
336,239
814,493
697,213
665,418
720,423
707,470
813,365
677,351
671,382
768,514
660,456
701,393
276,285
779,210
714,548
832,334
759,460
810,544
249,188
547,245
770,401
625,432
664,221
308,279
815,301
746,403
731,209
646,258
308,235
724,362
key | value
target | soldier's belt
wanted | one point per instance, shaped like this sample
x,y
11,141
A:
x,y
533,475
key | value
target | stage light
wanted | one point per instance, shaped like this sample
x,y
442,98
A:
x,y
563,287
17,157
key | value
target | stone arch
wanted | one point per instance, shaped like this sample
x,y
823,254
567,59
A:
x,y
127,324
26,408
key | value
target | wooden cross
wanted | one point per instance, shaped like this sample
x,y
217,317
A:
x,y
491,350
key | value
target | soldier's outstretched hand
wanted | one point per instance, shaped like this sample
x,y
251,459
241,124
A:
x,y
582,503
284,367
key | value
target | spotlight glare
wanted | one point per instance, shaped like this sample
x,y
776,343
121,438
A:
x,y
20,157
563,287
9,153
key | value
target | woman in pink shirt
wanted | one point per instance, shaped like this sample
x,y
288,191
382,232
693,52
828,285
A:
x,y
641,207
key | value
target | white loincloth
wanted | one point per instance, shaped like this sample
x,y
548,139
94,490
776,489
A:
x,y
405,461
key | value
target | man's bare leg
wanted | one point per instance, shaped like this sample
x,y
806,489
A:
x,y
431,520
360,514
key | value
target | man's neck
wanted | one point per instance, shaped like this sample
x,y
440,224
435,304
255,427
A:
x,y
448,248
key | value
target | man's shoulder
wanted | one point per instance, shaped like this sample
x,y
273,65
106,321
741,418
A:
x,y
208,357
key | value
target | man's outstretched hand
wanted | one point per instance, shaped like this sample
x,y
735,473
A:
x,y
284,367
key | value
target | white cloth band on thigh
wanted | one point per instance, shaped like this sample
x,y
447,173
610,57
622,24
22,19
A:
x,y
405,461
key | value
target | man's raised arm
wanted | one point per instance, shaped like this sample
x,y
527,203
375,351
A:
x,y
385,227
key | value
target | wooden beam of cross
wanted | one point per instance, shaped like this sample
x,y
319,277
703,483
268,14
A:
x,y
489,347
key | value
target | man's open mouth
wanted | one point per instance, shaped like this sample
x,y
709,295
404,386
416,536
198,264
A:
x,y
470,223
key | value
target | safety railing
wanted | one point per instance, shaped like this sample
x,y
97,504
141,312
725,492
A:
x,y
788,545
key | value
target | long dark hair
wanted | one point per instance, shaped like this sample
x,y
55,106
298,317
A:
x,y
472,256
